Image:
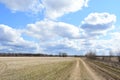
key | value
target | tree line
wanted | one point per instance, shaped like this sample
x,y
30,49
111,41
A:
x,y
61,54
93,55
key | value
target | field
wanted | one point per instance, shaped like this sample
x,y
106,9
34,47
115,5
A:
x,y
56,68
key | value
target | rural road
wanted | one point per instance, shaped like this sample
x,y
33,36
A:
x,y
82,71
76,71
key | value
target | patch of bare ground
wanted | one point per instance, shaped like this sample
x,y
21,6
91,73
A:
x,y
82,71
75,75
89,73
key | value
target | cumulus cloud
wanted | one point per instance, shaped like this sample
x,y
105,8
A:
x,y
103,46
69,43
98,23
52,8
11,41
106,45
23,5
96,27
55,36
8,34
115,40
63,45
49,30
57,8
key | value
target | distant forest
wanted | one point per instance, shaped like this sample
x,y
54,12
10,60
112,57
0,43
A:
x,y
33,54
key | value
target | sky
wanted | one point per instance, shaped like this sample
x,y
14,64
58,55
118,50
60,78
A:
x,y
53,26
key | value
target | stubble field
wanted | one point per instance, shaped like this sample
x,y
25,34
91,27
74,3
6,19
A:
x,y
53,68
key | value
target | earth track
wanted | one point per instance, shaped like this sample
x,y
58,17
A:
x,y
107,71
75,75
92,75
3,67
82,71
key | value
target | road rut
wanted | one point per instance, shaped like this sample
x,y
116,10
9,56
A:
x,y
82,71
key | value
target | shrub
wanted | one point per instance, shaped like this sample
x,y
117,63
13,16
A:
x,y
62,54
91,55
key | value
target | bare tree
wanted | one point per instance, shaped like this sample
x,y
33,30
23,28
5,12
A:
x,y
91,55
118,56
103,56
62,54
110,55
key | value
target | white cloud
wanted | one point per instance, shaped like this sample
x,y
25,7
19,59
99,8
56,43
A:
x,y
33,6
11,41
50,30
115,40
105,45
57,8
55,36
63,45
52,8
99,18
8,34
69,43
86,3
98,23
115,35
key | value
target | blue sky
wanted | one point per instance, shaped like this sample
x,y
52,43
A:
x,y
52,26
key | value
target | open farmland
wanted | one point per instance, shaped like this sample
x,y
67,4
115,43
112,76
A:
x,y
55,68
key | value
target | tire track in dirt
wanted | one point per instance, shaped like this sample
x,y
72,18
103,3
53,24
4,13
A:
x,y
75,75
89,71
107,72
82,71
3,67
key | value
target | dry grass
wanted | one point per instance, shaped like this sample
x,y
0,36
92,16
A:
x,y
35,68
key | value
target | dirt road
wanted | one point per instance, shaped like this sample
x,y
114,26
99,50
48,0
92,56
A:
x,y
75,75
82,71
